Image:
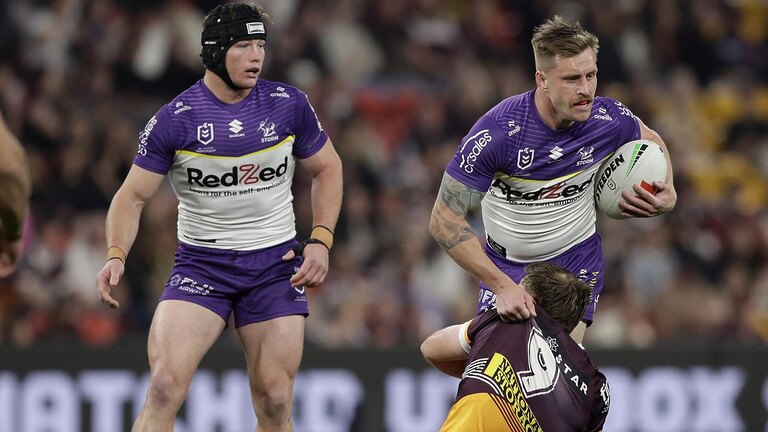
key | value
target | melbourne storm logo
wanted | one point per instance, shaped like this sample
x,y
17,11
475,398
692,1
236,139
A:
x,y
268,129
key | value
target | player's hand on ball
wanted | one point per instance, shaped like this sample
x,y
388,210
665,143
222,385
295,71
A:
x,y
645,204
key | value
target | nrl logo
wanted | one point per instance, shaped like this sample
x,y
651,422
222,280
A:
x,y
525,158
205,133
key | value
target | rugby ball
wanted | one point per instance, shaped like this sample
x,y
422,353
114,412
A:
x,y
636,162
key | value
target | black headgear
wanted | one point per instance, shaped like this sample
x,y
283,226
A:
x,y
223,27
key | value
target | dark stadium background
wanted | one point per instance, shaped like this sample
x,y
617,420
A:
x,y
681,327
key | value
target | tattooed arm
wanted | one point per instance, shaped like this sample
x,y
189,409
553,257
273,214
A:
x,y
449,227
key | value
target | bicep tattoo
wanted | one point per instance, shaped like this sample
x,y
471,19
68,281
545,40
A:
x,y
451,228
459,197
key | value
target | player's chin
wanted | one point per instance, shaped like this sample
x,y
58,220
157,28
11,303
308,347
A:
x,y
247,81
580,114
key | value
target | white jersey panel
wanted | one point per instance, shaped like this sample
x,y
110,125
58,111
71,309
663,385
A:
x,y
239,203
536,220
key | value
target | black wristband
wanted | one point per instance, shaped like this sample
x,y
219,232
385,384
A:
x,y
299,248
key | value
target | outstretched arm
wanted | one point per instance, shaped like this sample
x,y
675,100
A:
x,y
445,351
326,171
450,229
122,226
643,203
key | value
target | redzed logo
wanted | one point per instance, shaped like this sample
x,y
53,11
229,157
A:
x,y
240,174
555,191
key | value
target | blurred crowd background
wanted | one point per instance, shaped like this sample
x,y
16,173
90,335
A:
x,y
396,84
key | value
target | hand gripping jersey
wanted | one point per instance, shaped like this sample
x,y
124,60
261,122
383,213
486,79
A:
x,y
231,165
526,376
539,182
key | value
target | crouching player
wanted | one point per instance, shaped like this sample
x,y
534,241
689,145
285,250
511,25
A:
x,y
528,375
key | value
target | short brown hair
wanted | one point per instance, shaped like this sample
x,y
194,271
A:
x,y
559,292
555,37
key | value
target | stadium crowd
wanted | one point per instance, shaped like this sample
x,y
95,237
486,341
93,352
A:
x,y
396,84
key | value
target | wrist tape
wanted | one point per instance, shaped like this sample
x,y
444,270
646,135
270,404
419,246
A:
x,y
114,252
320,235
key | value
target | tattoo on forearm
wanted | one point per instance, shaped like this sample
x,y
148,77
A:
x,y
450,230
449,234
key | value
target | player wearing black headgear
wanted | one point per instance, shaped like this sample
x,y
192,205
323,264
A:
x,y
224,26
230,144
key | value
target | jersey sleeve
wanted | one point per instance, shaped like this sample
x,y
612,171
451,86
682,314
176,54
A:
x,y
629,127
480,155
464,341
156,144
310,136
470,329
601,402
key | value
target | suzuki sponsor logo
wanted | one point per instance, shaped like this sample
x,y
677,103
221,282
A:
x,y
235,126
555,191
244,174
478,141
205,133
556,153
525,158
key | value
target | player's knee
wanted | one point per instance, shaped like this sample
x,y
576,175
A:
x,y
166,389
274,397
275,404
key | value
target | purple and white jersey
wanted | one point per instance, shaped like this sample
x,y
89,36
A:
x,y
231,165
539,181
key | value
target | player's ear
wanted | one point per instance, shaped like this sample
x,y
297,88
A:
x,y
541,80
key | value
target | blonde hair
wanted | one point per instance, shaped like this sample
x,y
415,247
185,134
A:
x,y
557,38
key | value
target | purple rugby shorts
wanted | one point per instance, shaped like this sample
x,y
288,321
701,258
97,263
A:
x,y
585,260
254,285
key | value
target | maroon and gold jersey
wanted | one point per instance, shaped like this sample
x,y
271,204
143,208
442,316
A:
x,y
527,376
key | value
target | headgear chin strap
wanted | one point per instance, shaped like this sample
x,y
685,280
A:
x,y
223,27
